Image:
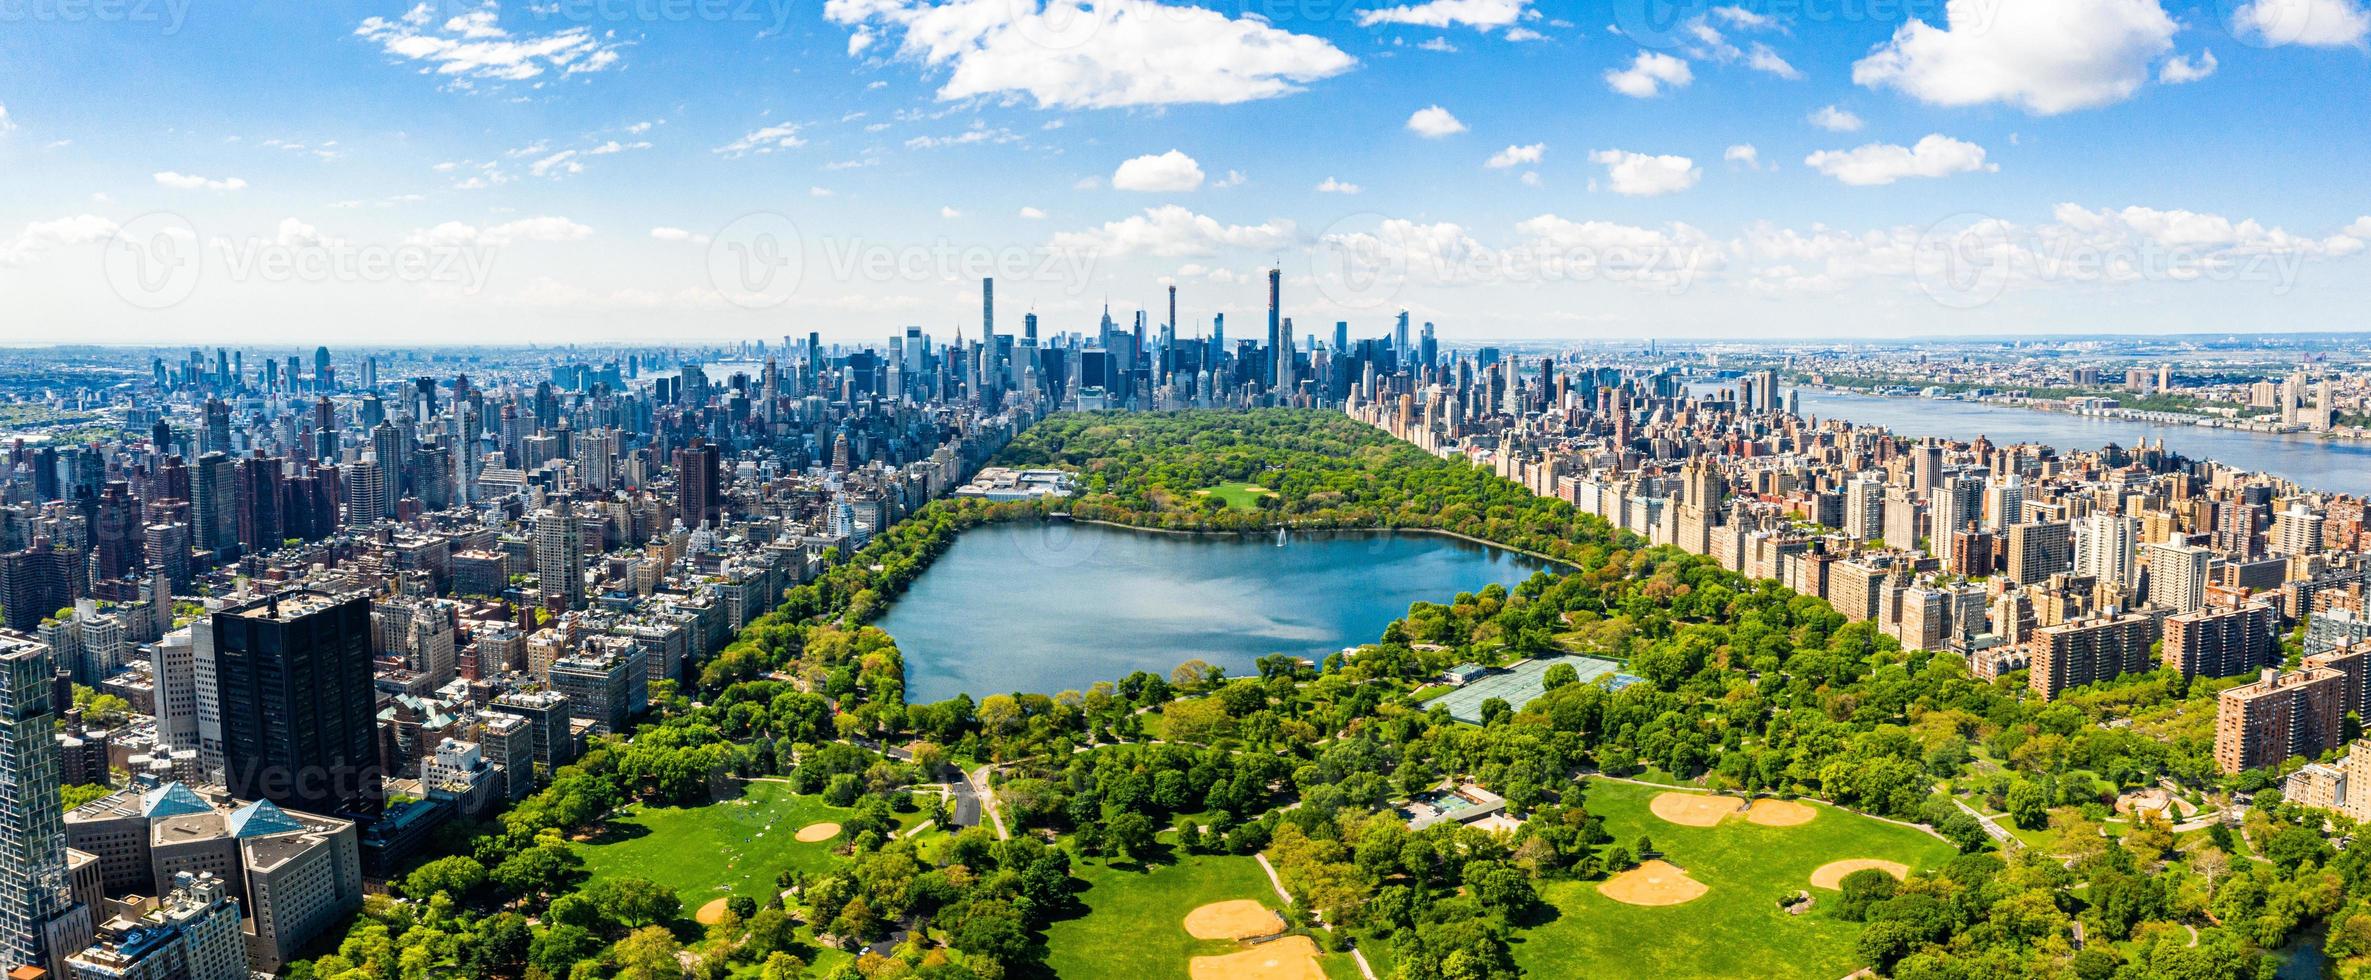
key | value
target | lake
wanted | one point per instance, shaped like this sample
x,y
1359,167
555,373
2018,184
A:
x,y
2338,466
1044,608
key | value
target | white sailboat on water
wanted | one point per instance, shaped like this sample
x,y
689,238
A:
x,y
1280,537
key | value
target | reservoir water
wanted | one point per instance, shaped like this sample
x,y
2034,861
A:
x,y
2335,465
1045,608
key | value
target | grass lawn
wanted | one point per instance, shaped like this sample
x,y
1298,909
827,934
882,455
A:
x,y
1239,496
1134,926
1736,929
730,847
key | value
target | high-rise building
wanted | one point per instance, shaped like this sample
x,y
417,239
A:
x,y
34,892
2178,575
2106,549
1280,341
698,494
192,934
559,544
299,713
2223,642
2038,550
2089,651
214,505
2284,714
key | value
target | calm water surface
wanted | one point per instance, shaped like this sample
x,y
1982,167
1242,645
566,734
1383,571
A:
x,y
1045,608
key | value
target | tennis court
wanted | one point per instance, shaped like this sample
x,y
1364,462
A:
x,y
1520,683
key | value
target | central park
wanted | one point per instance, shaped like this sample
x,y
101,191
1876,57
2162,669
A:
x,y
1760,789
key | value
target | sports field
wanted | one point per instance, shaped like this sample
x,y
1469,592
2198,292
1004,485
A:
x,y
1134,927
731,847
1520,684
1239,496
1734,927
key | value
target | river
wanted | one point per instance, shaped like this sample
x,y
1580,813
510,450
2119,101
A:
x,y
2322,464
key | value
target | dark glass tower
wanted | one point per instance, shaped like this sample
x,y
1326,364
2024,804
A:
x,y
299,715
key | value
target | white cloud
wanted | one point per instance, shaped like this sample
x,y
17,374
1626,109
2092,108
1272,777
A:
x,y
7,125
193,182
1517,156
297,234
39,237
1484,14
2313,23
544,228
1935,155
1161,173
1433,122
1649,75
1440,44
1170,231
819,192
1835,120
1234,178
1332,186
1698,38
1104,54
2046,58
1032,214
949,212
472,46
557,164
2181,69
780,136
1645,175
976,134
1523,34
1760,58
1744,155
1743,18
665,234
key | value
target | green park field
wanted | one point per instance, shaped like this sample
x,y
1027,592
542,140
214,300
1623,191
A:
x,y
730,847
1134,924
1736,928
1239,496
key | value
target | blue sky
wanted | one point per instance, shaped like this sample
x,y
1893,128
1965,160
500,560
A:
x,y
605,169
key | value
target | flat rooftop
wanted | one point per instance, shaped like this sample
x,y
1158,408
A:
x,y
286,606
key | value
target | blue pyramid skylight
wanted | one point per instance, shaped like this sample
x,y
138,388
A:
x,y
262,819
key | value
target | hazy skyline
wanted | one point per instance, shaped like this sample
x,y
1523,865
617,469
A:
x,y
596,171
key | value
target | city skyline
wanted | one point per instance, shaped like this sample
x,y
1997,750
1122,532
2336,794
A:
x,y
603,173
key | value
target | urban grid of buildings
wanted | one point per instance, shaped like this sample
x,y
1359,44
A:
x,y
349,601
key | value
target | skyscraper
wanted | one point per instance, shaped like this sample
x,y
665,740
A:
x,y
696,484
1280,342
299,715
33,887
559,557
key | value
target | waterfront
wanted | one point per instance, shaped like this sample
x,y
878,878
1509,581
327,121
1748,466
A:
x,y
2316,463
1050,607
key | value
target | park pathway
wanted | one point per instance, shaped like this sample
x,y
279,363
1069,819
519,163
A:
x,y
978,778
